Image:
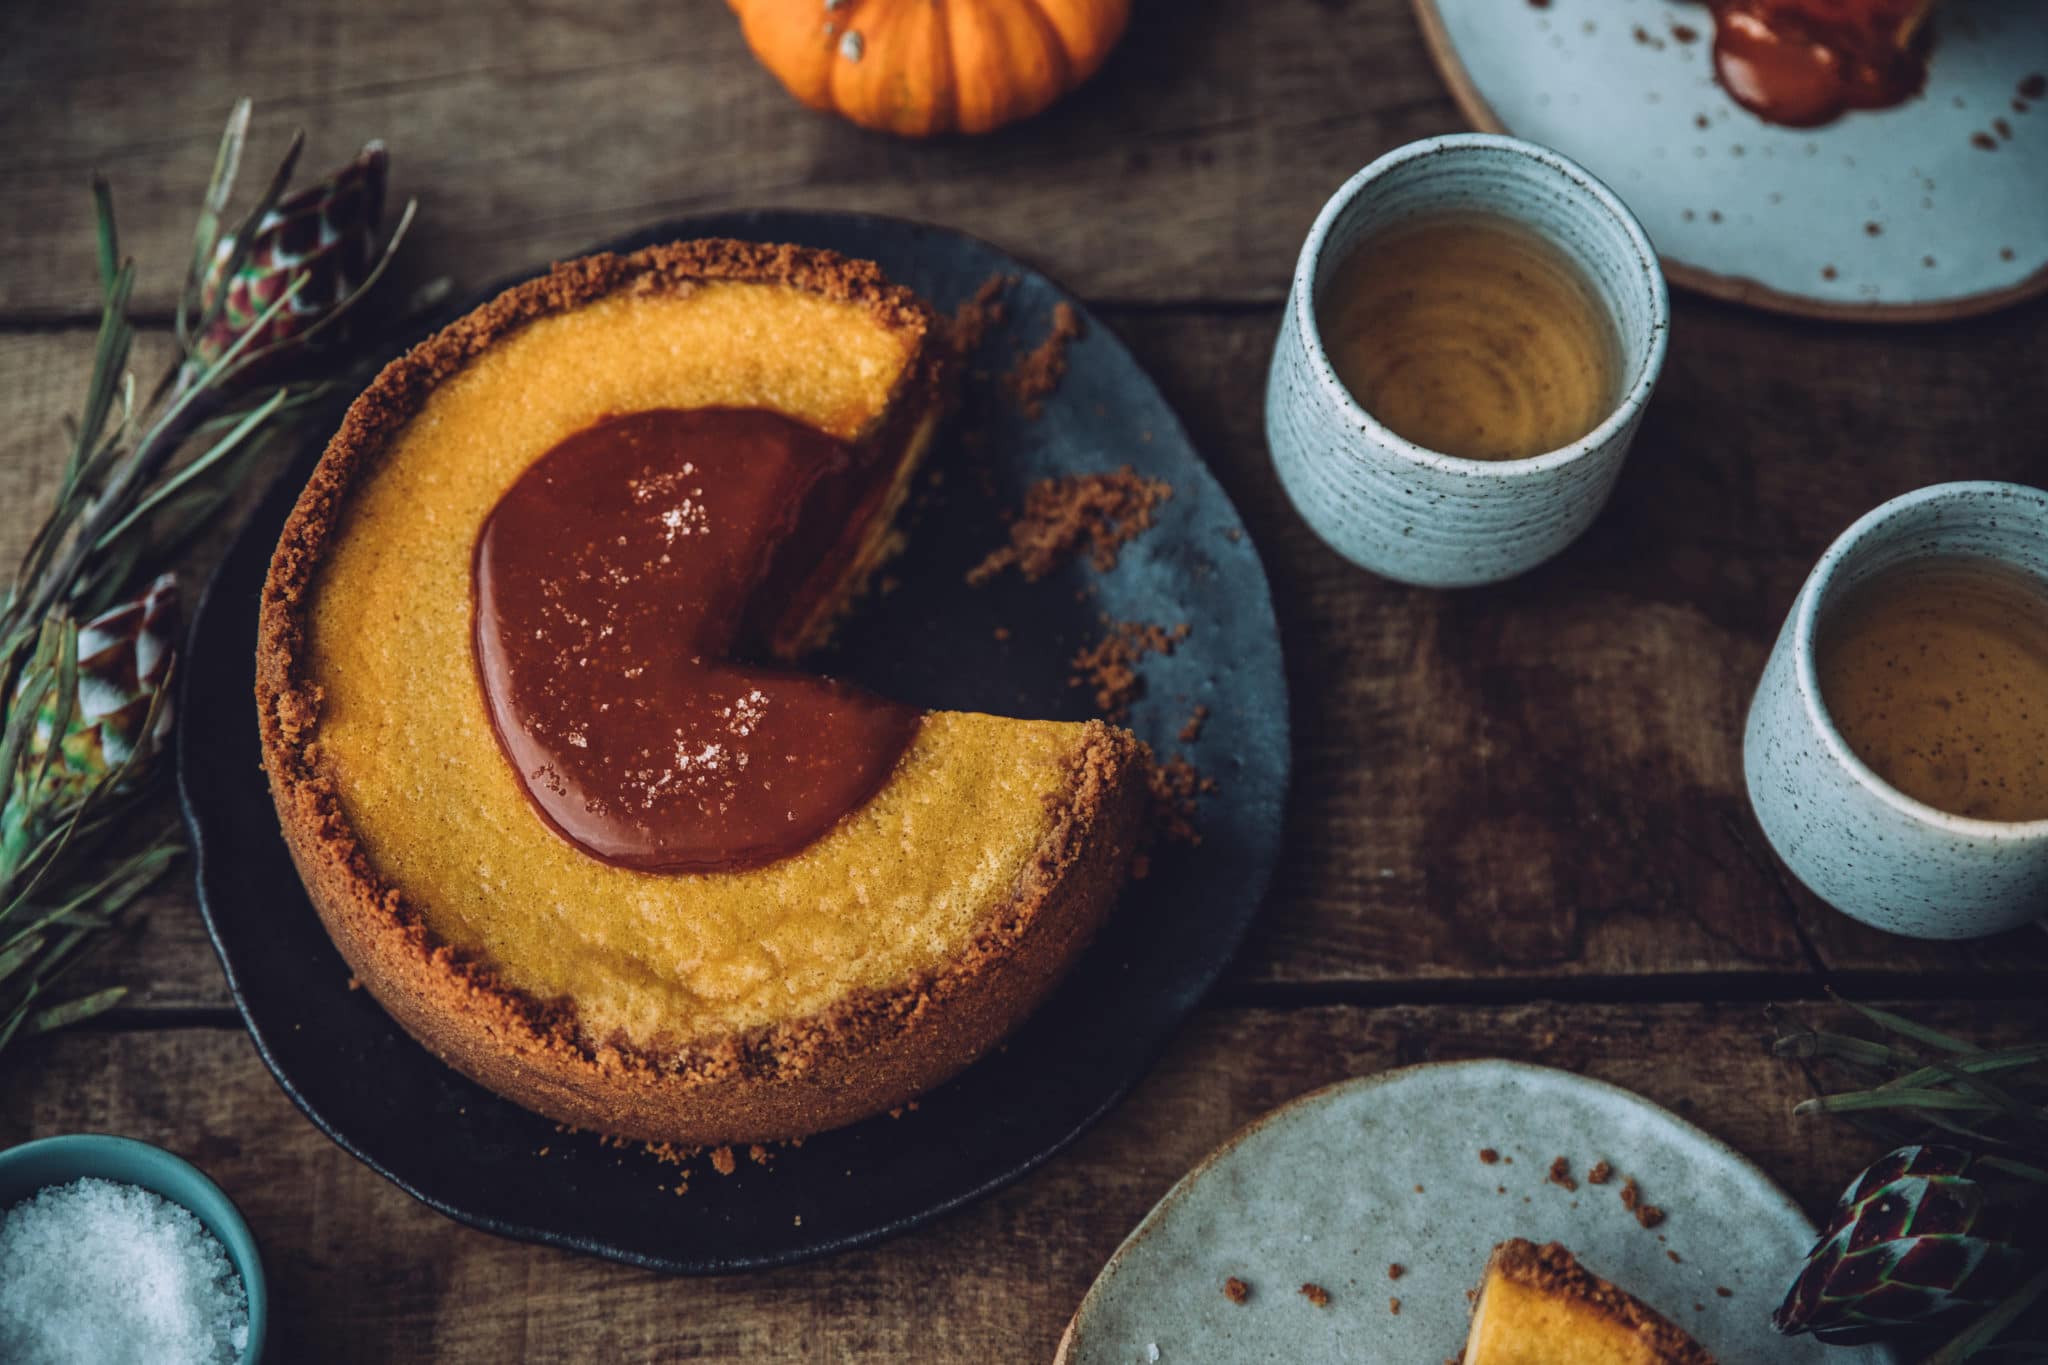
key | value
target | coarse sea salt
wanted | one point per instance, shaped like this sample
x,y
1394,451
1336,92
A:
x,y
101,1273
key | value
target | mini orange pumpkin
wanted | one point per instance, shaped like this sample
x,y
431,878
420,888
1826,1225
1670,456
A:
x,y
921,67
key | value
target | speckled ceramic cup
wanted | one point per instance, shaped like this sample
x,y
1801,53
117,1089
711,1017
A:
x,y
1859,843
1413,514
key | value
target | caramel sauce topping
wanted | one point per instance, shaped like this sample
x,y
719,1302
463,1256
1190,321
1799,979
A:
x,y
619,584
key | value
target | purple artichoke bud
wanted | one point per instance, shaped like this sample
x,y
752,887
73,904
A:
x,y
124,660
1924,1233
325,233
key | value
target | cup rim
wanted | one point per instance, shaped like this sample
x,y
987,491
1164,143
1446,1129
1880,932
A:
x,y
1805,628
1583,182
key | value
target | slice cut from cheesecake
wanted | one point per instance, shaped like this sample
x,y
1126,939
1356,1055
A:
x,y
605,920
1539,1306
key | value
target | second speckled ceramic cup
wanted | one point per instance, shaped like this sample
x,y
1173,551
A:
x,y
1414,514
1859,843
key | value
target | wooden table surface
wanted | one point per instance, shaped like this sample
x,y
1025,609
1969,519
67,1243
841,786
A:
x,y
1518,825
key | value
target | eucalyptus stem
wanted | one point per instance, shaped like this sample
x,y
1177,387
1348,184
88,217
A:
x,y
88,628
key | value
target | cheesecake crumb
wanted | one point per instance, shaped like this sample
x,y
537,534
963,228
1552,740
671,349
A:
x,y
666,1153
1489,1156
1316,1295
1236,1290
1038,372
723,1161
1110,665
1396,1271
1561,1174
1630,1195
1394,1307
1649,1215
353,983
1724,1291
1191,730
1418,1189
1176,787
1103,511
975,318
760,1155
1676,1259
1601,1173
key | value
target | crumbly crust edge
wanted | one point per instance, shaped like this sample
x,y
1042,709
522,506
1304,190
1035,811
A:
x,y
532,1049
1552,1268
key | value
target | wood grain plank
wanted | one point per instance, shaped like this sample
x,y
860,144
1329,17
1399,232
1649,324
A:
x,y
1543,778
1191,167
1527,783
360,1272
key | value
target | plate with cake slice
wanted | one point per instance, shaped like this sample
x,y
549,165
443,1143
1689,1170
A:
x,y
1514,1213
675,703
1867,160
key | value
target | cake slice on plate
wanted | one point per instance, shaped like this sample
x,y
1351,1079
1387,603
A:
x,y
1539,1306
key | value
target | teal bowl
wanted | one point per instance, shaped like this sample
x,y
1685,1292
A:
x,y
61,1160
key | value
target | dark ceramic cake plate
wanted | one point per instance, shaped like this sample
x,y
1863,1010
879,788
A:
x,y
932,640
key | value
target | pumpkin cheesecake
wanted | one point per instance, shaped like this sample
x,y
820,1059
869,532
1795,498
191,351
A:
x,y
1539,1306
533,712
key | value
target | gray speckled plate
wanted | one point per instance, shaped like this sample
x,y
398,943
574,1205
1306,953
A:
x,y
1781,217
1340,1184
